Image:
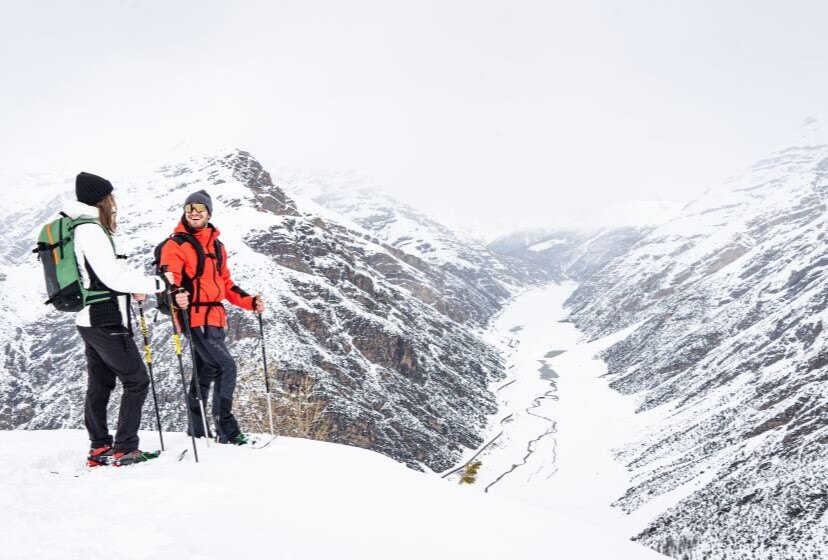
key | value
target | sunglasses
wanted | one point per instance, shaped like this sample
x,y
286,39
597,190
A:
x,y
197,206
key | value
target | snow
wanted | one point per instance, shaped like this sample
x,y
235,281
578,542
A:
x,y
552,441
295,499
636,213
544,245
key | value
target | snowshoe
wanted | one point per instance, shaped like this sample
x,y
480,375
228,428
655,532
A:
x,y
100,456
262,443
133,457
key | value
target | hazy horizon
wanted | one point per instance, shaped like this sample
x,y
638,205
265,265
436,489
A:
x,y
488,116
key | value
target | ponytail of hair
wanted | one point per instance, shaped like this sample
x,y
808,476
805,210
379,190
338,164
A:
x,y
106,213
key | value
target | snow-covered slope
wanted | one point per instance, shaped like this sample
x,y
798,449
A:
x,y
295,499
729,307
387,340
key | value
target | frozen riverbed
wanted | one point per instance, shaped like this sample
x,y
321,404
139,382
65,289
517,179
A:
x,y
551,444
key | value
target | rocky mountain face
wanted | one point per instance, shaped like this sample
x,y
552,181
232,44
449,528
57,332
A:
x,y
570,253
727,306
387,339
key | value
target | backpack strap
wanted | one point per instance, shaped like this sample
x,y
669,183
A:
x,y
182,237
97,291
218,247
81,221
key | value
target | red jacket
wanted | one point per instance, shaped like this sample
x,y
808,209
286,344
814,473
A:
x,y
214,286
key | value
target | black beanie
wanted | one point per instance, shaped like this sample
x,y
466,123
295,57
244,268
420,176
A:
x,y
90,189
201,197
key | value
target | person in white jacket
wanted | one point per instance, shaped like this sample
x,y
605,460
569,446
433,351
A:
x,y
111,352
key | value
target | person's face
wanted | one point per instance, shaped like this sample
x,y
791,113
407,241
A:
x,y
196,215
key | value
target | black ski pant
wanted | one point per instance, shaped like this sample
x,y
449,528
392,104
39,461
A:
x,y
111,354
214,365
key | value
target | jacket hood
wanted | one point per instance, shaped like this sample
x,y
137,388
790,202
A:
x,y
75,210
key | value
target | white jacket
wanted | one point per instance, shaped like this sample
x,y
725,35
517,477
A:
x,y
92,247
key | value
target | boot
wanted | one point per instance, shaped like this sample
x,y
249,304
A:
x,y
100,456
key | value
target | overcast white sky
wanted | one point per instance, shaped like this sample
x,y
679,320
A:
x,y
487,114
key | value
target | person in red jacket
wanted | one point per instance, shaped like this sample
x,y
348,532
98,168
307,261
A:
x,y
208,318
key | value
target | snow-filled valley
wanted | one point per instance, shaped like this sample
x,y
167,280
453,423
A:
x,y
552,441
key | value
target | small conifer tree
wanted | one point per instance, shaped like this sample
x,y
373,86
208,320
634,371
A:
x,y
469,475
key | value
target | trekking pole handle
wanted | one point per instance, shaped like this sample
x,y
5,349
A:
x,y
144,332
170,287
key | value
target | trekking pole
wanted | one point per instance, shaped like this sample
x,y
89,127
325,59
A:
x,y
177,344
267,382
189,335
148,355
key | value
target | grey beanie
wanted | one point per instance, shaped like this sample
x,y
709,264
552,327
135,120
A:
x,y
201,197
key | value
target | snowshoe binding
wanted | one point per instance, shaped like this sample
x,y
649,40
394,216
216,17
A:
x,y
241,439
133,457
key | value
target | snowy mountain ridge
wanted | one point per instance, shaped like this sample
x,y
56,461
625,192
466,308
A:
x,y
729,301
405,228
570,253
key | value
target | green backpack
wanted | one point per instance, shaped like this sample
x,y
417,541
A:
x,y
56,251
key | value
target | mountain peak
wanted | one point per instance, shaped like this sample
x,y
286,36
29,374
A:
x,y
811,131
